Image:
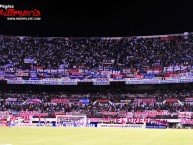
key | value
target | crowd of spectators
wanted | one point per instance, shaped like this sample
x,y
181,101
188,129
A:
x,y
133,52
53,53
111,102
156,52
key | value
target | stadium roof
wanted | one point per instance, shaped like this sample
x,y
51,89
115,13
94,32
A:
x,y
81,18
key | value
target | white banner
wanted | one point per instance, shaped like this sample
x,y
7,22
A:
x,y
11,99
30,60
26,124
129,114
120,125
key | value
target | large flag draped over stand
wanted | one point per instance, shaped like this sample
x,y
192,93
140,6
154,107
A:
x,y
30,101
189,99
102,101
11,99
146,100
172,100
84,100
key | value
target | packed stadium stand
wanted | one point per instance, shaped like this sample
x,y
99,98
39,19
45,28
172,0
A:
x,y
55,53
104,79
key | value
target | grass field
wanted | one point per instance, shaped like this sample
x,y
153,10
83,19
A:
x,y
94,136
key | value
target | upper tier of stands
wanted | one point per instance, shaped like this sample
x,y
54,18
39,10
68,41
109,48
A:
x,y
138,57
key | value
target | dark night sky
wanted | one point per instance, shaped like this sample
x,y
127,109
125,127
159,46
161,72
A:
x,y
95,18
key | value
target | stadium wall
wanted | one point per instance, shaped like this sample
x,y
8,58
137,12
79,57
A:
x,y
86,87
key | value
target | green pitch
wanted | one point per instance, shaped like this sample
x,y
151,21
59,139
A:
x,y
94,136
